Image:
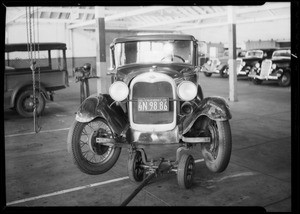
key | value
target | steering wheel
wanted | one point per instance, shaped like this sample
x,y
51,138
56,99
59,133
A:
x,y
172,58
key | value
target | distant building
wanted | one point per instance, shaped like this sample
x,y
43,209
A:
x,y
267,44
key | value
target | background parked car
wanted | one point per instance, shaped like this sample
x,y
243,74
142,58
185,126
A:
x,y
219,65
253,58
50,74
277,68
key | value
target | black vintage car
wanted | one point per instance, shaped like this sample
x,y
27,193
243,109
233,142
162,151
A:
x,y
219,65
277,68
154,100
253,58
50,75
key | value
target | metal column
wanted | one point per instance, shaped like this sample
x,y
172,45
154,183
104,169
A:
x,y
101,55
232,54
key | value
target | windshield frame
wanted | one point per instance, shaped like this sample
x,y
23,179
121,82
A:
x,y
114,52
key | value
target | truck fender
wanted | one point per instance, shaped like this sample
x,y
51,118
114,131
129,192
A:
x,y
215,108
102,106
23,87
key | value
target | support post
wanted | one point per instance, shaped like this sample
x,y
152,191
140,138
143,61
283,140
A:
x,y
101,54
232,54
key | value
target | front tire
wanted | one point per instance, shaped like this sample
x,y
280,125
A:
x,y
285,79
224,72
257,81
24,103
91,157
207,74
217,153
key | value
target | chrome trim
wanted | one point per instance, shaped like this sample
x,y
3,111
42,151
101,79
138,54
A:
x,y
152,77
265,68
163,137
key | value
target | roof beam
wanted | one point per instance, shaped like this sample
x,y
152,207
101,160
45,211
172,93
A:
x,y
175,21
237,22
23,13
121,15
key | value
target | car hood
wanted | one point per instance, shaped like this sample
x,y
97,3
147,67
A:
x,y
127,73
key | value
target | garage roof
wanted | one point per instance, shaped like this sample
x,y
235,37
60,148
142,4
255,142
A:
x,y
152,18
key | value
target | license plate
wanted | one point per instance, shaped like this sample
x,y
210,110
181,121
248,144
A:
x,y
153,104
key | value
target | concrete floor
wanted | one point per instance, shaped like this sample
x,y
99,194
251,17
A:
x,y
39,171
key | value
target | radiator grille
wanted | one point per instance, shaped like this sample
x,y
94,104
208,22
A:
x,y
152,90
265,68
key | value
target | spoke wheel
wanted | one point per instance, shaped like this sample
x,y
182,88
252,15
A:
x,y
185,171
135,170
217,153
90,156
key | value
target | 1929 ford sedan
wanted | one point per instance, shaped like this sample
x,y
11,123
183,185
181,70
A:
x,y
276,69
252,59
154,100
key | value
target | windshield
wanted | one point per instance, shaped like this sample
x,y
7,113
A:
x,y
153,52
258,54
282,53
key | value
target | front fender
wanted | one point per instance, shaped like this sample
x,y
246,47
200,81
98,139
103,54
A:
x,y
102,106
215,108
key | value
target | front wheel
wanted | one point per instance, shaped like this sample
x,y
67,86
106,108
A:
x,y
207,74
224,72
257,81
90,156
217,153
285,79
24,103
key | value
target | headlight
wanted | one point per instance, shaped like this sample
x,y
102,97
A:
x,y
273,66
187,90
118,91
257,65
243,63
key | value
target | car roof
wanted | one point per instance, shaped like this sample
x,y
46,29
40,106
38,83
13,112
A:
x,y
38,46
154,37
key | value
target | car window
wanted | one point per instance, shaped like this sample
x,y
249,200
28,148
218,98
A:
x,y
21,59
153,52
256,53
281,53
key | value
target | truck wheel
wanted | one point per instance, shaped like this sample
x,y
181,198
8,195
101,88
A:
x,y
24,103
217,153
185,171
135,171
257,81
285,79
207,74
89,156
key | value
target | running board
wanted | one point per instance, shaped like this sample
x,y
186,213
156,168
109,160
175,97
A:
x,y
196,139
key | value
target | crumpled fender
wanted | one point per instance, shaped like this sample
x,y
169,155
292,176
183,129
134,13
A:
x,y
102,106
215,108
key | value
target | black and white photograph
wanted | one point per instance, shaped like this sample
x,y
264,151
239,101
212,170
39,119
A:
x,y
154,106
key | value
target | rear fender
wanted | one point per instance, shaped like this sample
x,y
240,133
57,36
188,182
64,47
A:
x,y
24,87
215,108
102,106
